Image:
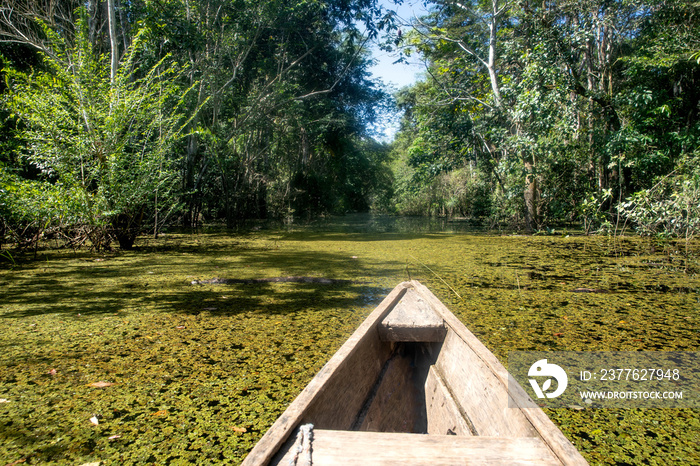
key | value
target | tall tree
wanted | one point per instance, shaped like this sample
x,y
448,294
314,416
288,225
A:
x,y
585,105
281,98
271,71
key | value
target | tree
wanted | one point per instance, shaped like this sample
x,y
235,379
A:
x,y
104,140
568,102
464,116
283,79
280,96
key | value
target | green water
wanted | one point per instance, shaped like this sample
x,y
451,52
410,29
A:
x,y
201,371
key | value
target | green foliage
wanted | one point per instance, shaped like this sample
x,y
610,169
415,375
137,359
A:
x,y
530,115
281,98
282,134
566,111
33,209
669,208
103,148
594,217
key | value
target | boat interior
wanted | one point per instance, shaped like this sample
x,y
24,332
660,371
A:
x,y
414,384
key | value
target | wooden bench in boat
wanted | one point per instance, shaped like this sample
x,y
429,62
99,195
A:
x,y
342,447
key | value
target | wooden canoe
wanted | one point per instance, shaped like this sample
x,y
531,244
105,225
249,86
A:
x,y
412,385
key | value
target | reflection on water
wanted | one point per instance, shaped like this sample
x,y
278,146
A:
x,y
351,223
374,223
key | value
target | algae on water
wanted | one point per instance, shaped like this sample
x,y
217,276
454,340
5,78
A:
x,y
199,372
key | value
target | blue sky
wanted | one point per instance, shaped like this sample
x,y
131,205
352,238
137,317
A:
x,y
397,75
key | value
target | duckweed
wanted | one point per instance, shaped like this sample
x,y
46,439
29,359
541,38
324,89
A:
x,y
200,372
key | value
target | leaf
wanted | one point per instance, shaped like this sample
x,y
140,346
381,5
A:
x,y
546,385
162,412
239,429
100,384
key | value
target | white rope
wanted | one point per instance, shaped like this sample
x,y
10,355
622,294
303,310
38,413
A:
x,y
302,446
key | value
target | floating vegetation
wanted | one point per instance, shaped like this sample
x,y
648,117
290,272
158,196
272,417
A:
x,y
118,358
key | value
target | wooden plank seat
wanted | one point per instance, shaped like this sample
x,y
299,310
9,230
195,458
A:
x,y
349,448
412,319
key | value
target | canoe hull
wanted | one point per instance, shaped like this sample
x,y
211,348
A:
x,y
413,368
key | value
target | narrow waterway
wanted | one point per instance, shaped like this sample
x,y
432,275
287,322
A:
x,y
201,371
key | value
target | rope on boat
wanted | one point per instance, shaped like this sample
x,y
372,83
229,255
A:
x,y
302,446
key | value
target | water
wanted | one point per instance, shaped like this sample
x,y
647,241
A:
x,y
201,372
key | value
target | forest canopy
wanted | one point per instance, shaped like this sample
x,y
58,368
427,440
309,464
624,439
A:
x,y
537,114
119,118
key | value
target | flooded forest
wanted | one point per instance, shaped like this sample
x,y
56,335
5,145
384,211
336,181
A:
x,y
162,164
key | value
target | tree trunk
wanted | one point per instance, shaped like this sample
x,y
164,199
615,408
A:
x,y
126,227
493,76
532,199
126,28
114,47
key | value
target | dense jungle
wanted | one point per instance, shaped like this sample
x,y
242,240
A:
x,y
120,118
148,146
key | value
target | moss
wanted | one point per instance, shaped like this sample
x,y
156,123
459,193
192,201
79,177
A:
x,y
200,372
